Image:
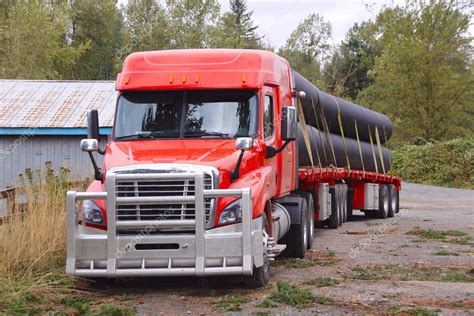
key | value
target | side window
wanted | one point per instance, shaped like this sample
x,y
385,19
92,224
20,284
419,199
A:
x,y
268,117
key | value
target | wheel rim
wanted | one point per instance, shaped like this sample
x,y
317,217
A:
x,y
393,200
305,233
385,202
266,263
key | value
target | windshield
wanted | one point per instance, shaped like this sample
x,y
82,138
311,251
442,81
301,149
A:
x,y
186,114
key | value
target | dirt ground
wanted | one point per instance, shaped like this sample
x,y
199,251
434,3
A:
x,y
419,262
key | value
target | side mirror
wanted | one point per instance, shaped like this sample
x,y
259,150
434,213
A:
x,y
244,143
289,124
93,124
89,145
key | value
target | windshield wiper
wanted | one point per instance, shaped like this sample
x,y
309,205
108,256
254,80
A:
x,y
137,136
211,134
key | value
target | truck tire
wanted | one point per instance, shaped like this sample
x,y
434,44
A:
x,y
344,202
333,221
384,202
298,234
310,202
261,275
394,201
350,198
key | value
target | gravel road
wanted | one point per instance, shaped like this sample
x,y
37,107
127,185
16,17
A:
x,y
419,261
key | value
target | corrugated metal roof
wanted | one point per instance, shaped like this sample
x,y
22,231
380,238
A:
x,y
55,104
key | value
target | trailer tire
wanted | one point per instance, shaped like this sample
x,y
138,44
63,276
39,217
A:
x,y
298,234
333,221
384,202
344,202
350,197
310,202
261,275
394,201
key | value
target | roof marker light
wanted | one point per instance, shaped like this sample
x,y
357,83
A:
x,y
171,79
184,79
244,78
196,79
127,80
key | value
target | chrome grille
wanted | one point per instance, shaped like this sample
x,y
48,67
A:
x,y
168,188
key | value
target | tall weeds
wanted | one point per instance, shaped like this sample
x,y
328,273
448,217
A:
x,y
33,239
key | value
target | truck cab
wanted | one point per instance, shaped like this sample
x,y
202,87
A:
x,y
202,148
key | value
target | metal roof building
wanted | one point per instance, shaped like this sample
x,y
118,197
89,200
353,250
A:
x,y
43,121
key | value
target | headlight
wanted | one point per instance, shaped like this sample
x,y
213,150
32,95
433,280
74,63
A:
x,y
232,213
91,213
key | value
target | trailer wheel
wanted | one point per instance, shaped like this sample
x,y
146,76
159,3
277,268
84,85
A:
x,y
344,202
298,234
310,202
261,275
384,202
394,201
333,221
350,198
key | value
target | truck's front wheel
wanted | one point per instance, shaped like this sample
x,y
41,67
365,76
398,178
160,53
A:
x,y
261,275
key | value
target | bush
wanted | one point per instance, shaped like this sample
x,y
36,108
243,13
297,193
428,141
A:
x,y
449,163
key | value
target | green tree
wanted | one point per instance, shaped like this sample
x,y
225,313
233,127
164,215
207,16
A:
x,y
307,46
100,24
236,29
191,22
146,26
423,79
33,38
346,74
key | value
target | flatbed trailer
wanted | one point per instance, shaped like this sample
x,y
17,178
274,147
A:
x,y
359,186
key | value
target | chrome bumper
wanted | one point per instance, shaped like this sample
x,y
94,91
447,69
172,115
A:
x,y
229,250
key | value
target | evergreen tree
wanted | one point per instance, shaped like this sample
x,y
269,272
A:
x,y
236,28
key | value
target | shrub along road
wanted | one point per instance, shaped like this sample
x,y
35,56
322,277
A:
x,y
420,261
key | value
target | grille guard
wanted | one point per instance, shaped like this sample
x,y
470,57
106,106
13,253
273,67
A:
x,y
229,250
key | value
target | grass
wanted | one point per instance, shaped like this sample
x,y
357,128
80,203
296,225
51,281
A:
x,y
267,303
292,295
231,303
449,236
323,282
364,274
439,163
322,259
445,253
417,311
412,273
33,254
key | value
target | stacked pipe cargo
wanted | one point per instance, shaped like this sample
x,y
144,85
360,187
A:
x,y
335,132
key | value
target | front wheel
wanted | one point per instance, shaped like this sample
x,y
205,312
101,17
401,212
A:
x,y
261,275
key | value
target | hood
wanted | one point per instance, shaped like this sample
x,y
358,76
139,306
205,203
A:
x,y
218,153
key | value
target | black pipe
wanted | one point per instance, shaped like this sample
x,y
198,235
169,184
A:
x,y
322,110
334,150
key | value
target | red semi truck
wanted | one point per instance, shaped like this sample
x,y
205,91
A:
x,y
201,174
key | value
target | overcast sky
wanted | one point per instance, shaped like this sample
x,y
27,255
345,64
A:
x,y
278,18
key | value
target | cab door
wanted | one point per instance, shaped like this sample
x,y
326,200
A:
x,y
271,131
